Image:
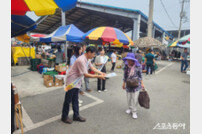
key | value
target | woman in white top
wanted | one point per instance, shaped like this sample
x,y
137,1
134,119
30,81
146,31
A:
x,y
99,61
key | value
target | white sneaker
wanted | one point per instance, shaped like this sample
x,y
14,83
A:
x,y
134,115
80,101
105,90
128,111
80,104
99,91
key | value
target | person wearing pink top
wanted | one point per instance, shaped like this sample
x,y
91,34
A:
x,y
78,69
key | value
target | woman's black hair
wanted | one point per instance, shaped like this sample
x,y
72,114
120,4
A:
x,y
76,50
91,49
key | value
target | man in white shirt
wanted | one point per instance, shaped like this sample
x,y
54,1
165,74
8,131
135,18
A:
x,y
113,60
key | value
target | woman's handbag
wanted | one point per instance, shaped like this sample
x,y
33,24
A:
x,y
144,99
132,82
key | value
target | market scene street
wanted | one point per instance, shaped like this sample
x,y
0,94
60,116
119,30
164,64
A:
x,y
101,67
169,99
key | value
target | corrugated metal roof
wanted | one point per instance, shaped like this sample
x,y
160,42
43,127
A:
x,y
86,19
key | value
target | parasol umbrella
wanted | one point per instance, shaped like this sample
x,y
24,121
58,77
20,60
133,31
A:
x,y
176,44
187,45
173,44
147,42
40,7
182,42
64,33
23,38
108,35
21,24
185,39
36,37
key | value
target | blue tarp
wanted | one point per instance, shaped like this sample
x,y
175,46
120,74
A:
x,y
64,33
21,25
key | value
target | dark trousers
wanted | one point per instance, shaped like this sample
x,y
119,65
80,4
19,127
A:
x,y
151,68
184,63
101,81
71,96
113,65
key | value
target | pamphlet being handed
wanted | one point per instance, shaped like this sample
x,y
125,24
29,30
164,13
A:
x,y
111,75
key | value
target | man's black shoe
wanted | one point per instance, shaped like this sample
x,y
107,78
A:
x,y
67,120
79,118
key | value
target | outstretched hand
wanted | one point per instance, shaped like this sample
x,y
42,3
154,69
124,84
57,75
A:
x,y
101,77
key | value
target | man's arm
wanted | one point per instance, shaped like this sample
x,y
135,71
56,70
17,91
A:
x,y
97,71
94,76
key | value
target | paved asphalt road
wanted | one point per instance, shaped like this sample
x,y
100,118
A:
x,y
169,91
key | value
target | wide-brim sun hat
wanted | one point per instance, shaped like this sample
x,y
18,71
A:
x,y
131,56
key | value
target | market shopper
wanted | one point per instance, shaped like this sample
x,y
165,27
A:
x,y
100,62
77,52
78,70
138,56
113,60
184,61
132,70
86,80
59,56
149,61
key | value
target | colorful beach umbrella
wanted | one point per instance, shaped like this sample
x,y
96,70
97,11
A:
x,y
107,34
173,44
185,39
40,7
21,24
182,42
36,37
23,38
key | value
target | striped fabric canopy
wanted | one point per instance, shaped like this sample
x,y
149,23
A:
x,y
64,33
108,34
185,39
21,24
182,42
40,7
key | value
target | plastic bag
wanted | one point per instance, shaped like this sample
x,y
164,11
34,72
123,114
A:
x,y
144,99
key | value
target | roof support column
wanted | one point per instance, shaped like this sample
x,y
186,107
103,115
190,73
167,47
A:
x,y
162,37
63,24
136,28
153,32
63,18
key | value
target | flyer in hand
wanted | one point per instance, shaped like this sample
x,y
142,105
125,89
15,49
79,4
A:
x,y
111,75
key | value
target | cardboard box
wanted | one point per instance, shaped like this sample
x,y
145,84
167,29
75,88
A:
x,y
58,82
38,56
60,68
48,81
